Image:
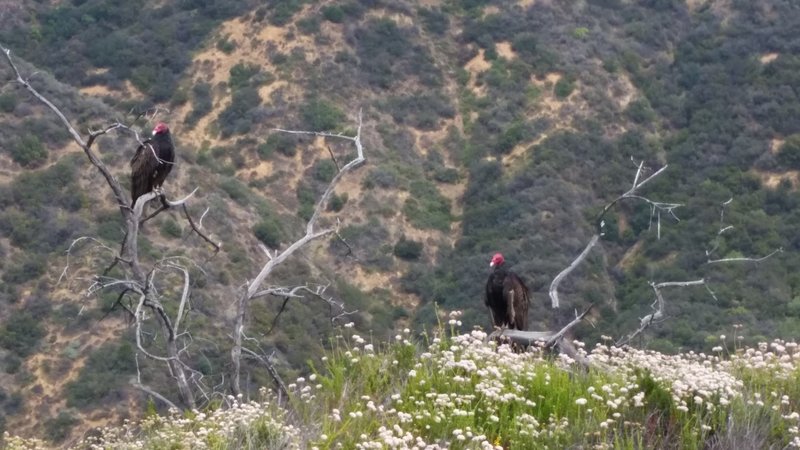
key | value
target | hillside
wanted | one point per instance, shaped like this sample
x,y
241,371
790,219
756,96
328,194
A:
x,y
488,126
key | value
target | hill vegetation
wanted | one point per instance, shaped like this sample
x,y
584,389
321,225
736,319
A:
x,y
451,390
489,126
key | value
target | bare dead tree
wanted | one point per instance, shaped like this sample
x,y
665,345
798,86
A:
x,y
658,315
253,289
656,208
137,280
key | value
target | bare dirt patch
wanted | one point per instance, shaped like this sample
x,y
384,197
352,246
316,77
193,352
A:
x,y
773,179
475,67
504,49
775,145
767,58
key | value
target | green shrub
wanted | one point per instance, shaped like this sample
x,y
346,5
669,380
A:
x,y
32,266
236,190
434,20
309,25
8,102
324,170
107,369
268,230
12,364
241,74
427,208
237,118
333,13
407,249
225,45
29,151
283,10
59,427
283,143
201,103
789,153
446,175
21,333
305,194
564,87
640,112
337,202
170,228
319,115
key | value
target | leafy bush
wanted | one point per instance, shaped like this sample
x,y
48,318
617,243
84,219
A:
x,y
564,86
170,228
226,45
320,115
407,249
420,110
789,153
284,143
201,103
237,118
107,369
268,230
305,194
28,151
21,333
640,112
387,55
427,208
236,190
31,267
337,202
446,175
8,102
283,10
59,427
308,25
435,21
241,74
333,13
324,170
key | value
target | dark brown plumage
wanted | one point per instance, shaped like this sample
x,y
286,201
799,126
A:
x,y
152,162
506,297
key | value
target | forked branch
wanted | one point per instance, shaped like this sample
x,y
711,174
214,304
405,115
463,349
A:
x,y
253,289
656,207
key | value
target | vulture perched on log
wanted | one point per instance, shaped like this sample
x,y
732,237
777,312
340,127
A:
x,y
152,162
506,297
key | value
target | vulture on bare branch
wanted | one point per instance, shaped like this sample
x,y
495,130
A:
x,y
506,297
152,162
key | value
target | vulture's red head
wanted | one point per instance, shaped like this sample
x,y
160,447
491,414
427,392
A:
x,y
160,128
497,260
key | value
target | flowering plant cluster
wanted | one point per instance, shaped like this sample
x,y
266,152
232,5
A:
x,y
457,391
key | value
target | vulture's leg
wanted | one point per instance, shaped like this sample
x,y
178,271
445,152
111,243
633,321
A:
x,y
491,317
511,311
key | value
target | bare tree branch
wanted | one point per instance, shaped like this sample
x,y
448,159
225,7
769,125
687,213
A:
x,y
557,280
658,307
745,259
253,288
600,224
723,229
155,394
549,338
270,368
